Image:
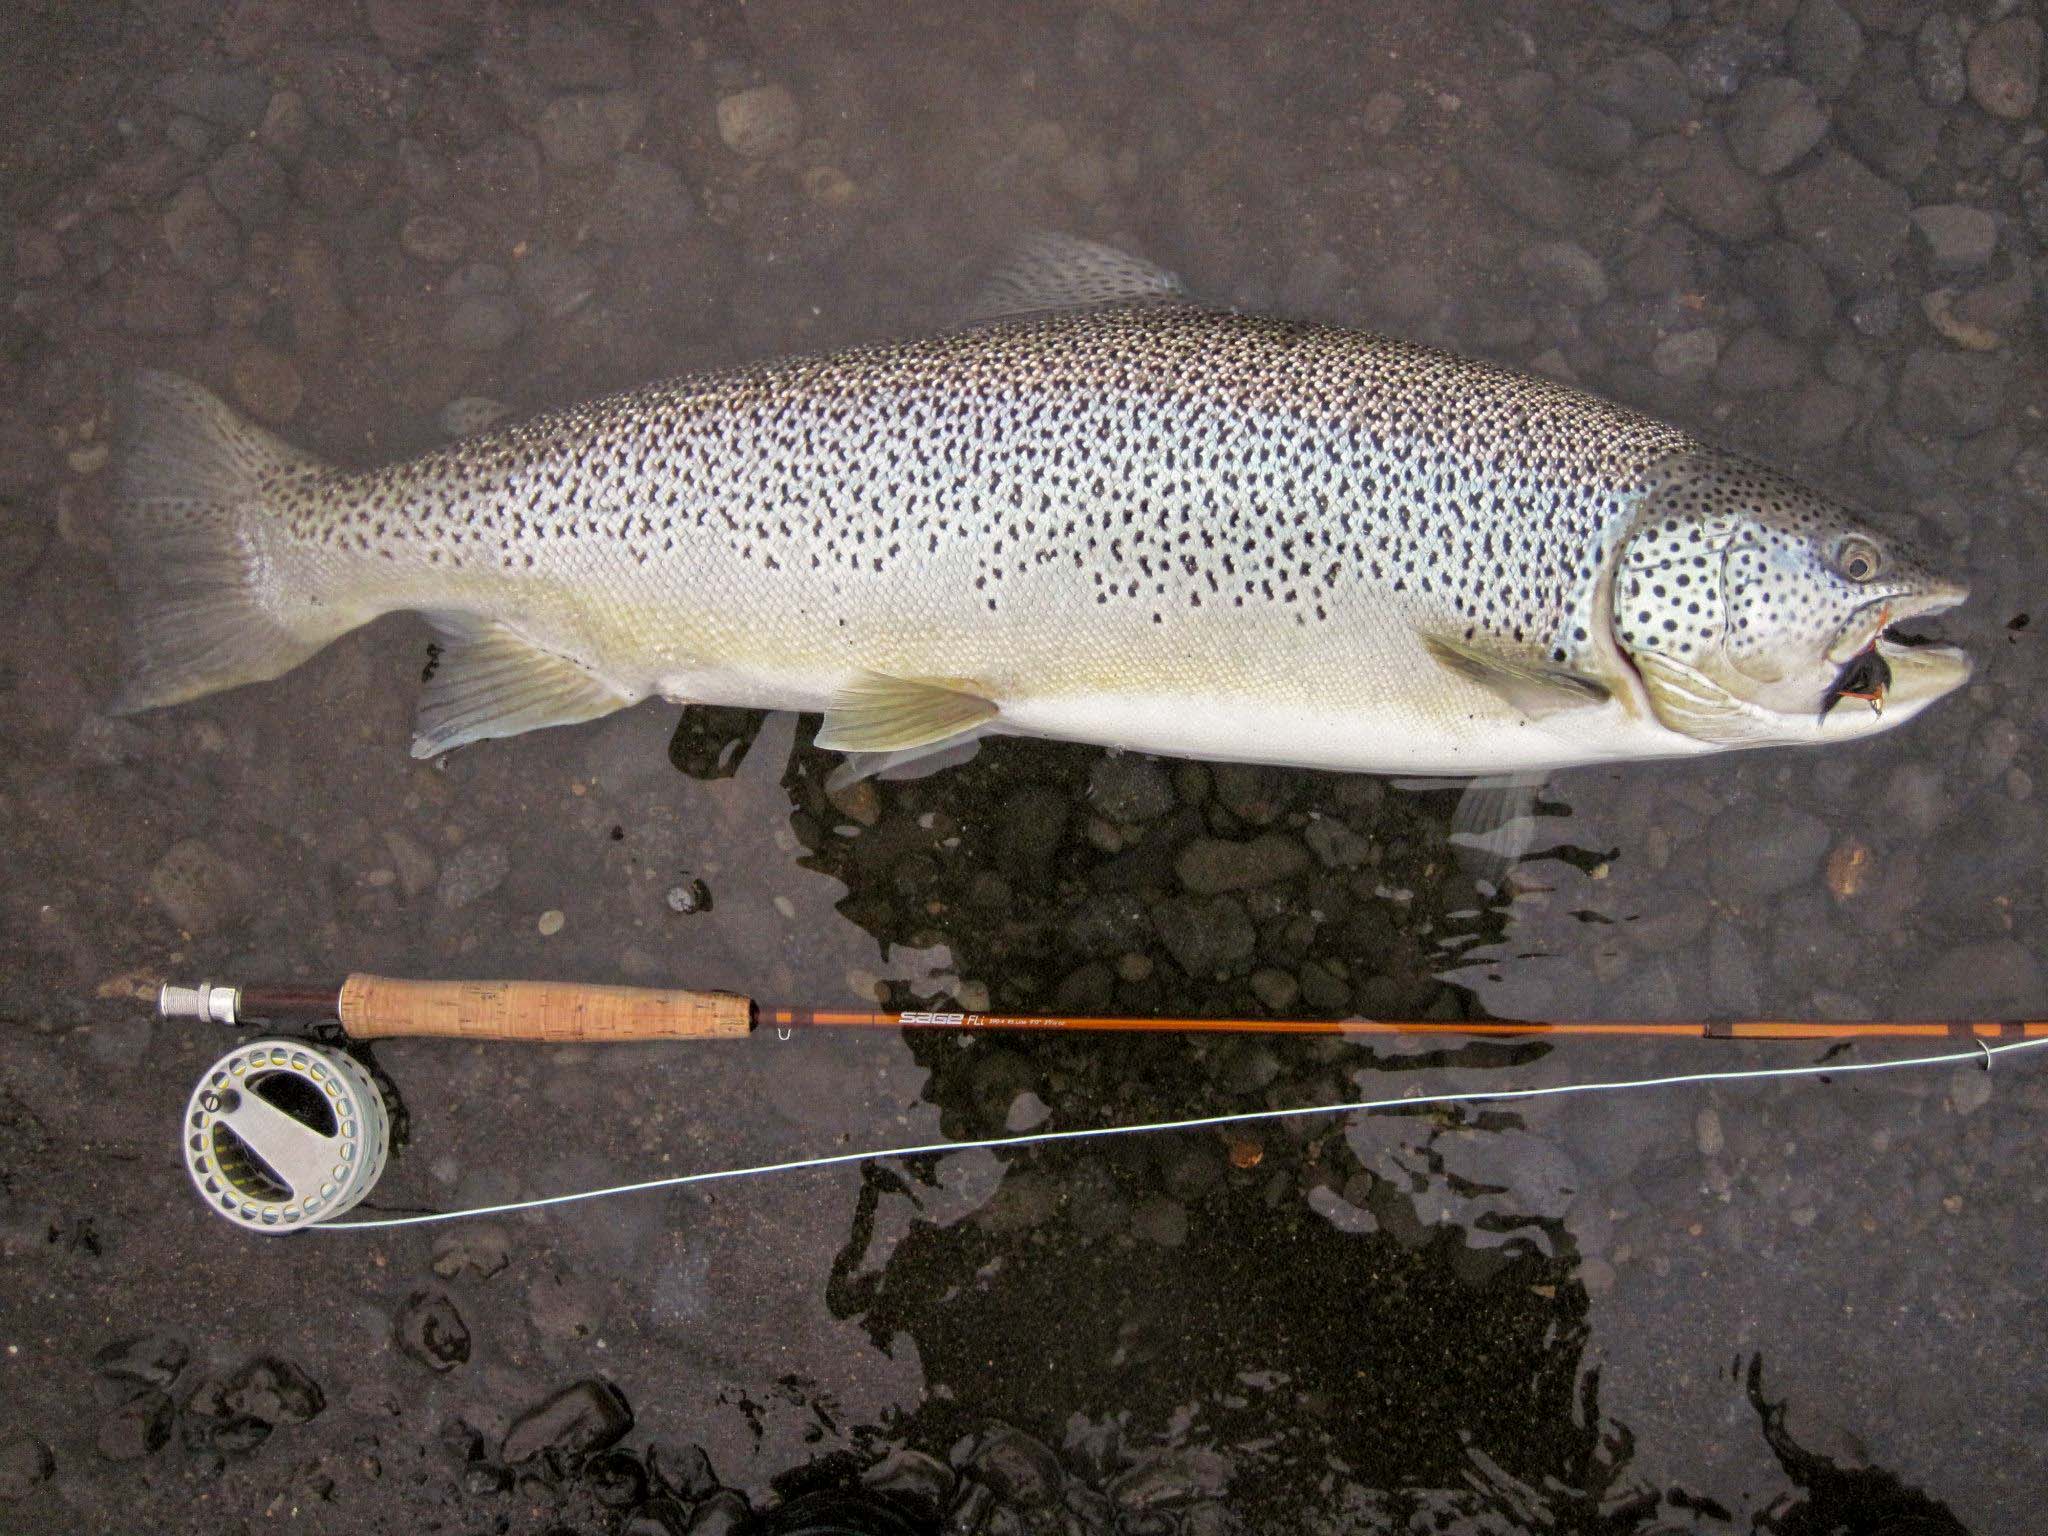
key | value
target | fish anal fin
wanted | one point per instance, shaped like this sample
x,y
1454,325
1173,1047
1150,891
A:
x,y
491,681
893,714
1050,273
1534,689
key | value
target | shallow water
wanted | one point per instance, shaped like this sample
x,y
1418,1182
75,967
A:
x,y
1804,1306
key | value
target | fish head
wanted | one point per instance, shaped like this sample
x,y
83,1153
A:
x,y
1756,611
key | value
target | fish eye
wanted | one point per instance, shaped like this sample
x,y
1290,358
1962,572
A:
x,y
1858,559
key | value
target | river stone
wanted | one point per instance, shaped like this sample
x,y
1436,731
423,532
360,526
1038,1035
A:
x,y
1825,44
1209,866
1790,288
1938,60
1564,273
198,889
2004,66
1852,220
1775,122
646,203
1780,847
1129,789
1204,937
249,183
1955,237
1648,88
1951,394
203,240
1719,196
761,122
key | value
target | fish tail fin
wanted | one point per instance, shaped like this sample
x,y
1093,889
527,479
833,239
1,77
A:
x,y
194,550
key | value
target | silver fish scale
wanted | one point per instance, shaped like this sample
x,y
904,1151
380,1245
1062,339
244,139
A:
x,y
1158,463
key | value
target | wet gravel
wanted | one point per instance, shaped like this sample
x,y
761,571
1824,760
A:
x,y
1812,230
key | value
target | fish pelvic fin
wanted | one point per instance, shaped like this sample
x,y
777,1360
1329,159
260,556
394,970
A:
x,y
487,681
1534,689
194,555
892,714
1051,273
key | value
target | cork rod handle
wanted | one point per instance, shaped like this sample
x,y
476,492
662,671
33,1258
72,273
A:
x,y
372,1007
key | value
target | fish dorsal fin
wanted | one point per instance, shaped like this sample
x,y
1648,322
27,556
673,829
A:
x,y
1534,689
893,714
488,681
1694,705
1047,273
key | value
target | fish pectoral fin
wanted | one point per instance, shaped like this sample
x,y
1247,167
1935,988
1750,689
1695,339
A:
x,y
1534,689
488,681
1694,705
1049,273
894,714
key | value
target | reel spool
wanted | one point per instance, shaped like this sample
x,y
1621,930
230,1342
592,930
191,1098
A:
x,y
281,1134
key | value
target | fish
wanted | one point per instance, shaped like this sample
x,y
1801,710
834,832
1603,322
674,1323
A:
x,y
1099,511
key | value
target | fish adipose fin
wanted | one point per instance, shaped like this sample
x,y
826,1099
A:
x,y
190,551
488,681
892,714
1533,689
1049,273
1690,703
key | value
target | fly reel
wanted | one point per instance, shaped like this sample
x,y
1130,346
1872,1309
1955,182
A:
x,y
281,1134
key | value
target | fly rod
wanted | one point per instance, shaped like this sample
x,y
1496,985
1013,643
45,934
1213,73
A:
x,y
382,1007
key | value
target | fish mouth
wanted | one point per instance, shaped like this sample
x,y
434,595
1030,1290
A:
x,y
1889,669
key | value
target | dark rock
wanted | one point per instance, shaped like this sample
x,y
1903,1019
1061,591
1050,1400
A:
x,y
24,1462
139,1427
920,1481
615,1479
1774,123
565,49
433,238
482,1480
575,1423
1128,789
1853,221
1938,60
1209,866
1017,1469
1997,979
1822,413
1639,15
1663,263
1888,124
588,128
249,183
165,303
266,384
1955,238
760,122
286,123
504,174
725,1513
1718,196
198,889
148,1359
1758,362
1724,61
1253,792
1578,135
1951,394
646,203
1824,43
483,322
232,98
1564,273
1648,88
275,1391
2004,67
1778,848
1687,357
1545,197
1790,289
686,1473
1205,937
1899,18
658,1517
413,31
1878,313
1031,826
203,240
433,1332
